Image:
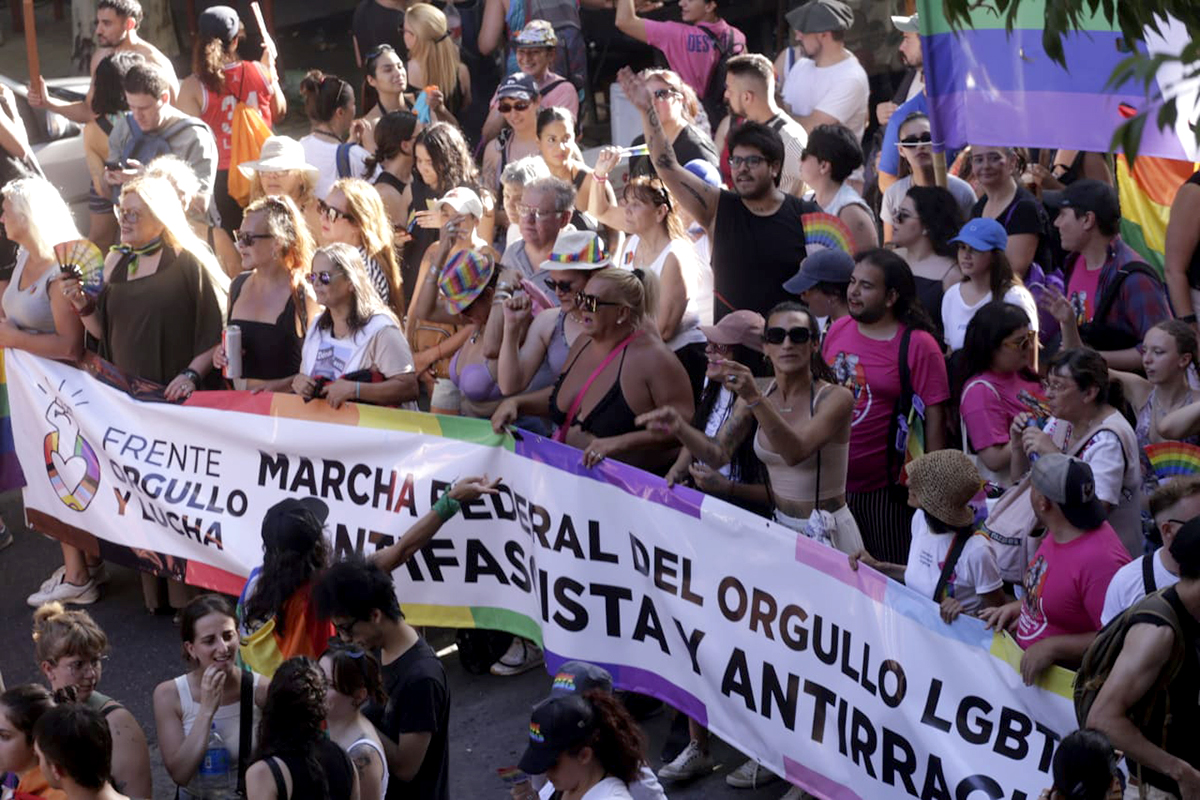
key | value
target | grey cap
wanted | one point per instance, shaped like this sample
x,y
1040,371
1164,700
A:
x,y
907,24
1068,482
580,676
820,16
823,266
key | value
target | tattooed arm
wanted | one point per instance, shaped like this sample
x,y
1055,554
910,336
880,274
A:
x,y
696,196
369,766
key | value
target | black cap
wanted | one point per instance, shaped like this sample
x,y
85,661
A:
x,y
577,677
557,724
1068,482
219,22
517,85
1088,195
294,524
819,16
1185,548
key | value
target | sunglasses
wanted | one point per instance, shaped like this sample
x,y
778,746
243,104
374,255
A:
x,y
915,141
323,278
795,335
664,94
516,105
248,239
589,302
334,214
752,162
558,286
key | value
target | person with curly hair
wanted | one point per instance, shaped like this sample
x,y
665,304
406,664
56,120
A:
x,y
295,551
295,759
586,745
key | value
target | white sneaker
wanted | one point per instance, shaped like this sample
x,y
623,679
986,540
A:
x,y
522,655
65,592
750,775
796,793
98,573
688,765
54,579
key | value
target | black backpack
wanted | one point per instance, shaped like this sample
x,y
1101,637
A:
x,y
713,98
1099,334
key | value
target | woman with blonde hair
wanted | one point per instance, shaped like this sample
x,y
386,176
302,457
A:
x,y
282,169
354,350
678,108
353,213
433,61
269,300
163,303
70,649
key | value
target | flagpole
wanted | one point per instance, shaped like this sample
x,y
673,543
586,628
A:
x,y
31,46
939,168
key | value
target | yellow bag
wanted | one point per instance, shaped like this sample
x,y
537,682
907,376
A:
x,y
245,144
260,650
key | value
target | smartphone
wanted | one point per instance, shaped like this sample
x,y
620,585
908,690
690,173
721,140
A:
x,y
117,166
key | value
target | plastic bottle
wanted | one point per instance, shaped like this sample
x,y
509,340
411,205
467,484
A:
x,y
213,778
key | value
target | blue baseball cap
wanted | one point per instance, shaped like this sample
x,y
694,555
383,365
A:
x,y
823,266
704,171
983,233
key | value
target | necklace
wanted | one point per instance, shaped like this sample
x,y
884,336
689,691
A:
x,y
330,134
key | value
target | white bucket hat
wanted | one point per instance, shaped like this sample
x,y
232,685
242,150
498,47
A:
x,y
279,154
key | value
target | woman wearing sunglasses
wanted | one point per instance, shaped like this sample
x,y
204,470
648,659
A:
x,y
353,213
618,370
71,650
352,677
803,435
987,275
928,219
270,300
916,169
997,385
384,83
677,107
207,697
517,105
354,350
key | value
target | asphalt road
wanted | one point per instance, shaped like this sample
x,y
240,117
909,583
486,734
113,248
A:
x,y
488,715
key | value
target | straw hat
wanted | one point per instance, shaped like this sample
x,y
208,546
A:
x,y
944,482
279,154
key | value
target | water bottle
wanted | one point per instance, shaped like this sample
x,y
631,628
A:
x,y
213,778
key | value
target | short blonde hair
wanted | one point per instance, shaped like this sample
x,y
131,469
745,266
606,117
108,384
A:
x,y
638,290
58,632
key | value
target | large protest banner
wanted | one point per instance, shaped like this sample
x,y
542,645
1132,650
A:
x,y
845,682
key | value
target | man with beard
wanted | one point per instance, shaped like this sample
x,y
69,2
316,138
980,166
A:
x,y
117,24
750,93
756,230
829,85
865,350
909,100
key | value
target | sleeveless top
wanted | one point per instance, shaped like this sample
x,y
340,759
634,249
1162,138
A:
x,y
272,349
339,774
475,381
1145,416
228,718
242,83
556,356
369,742
799,483
30,307
697,279
611,416
846,196
581,221
422,238
100,702
388,179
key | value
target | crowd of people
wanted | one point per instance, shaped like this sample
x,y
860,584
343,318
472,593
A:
x,y
959,392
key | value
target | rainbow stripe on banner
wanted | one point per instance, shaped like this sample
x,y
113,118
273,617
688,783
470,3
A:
x,y
11,476
986,85
1147,191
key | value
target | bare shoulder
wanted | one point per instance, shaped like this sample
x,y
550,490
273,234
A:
x,y
166,694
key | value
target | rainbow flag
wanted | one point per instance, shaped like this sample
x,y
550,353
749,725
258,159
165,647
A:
x,y
11,476
986,85
1147,191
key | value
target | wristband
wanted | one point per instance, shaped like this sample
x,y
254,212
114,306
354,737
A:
x,y
357,389
756,402
446,507
1188,318
191,375
600,178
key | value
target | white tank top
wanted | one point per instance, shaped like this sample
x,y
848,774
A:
x,y
697,280
227,719
369,742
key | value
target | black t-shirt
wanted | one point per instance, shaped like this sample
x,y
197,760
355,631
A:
x,y
1181,741
1024,215
374,25
752,256
689,145
418,702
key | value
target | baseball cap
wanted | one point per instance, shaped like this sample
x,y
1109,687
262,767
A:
x,y
577,677
538,33
578,250
741,327
517,85
983,233
1185,549
1089,195
820,16
1068,482
294,523
910,24
463,201
705,171
557,724
219,22
823,266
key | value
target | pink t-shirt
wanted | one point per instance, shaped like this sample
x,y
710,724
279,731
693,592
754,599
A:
x,y
869,368
1081,291
1065,585
690,52
990,401
563,94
